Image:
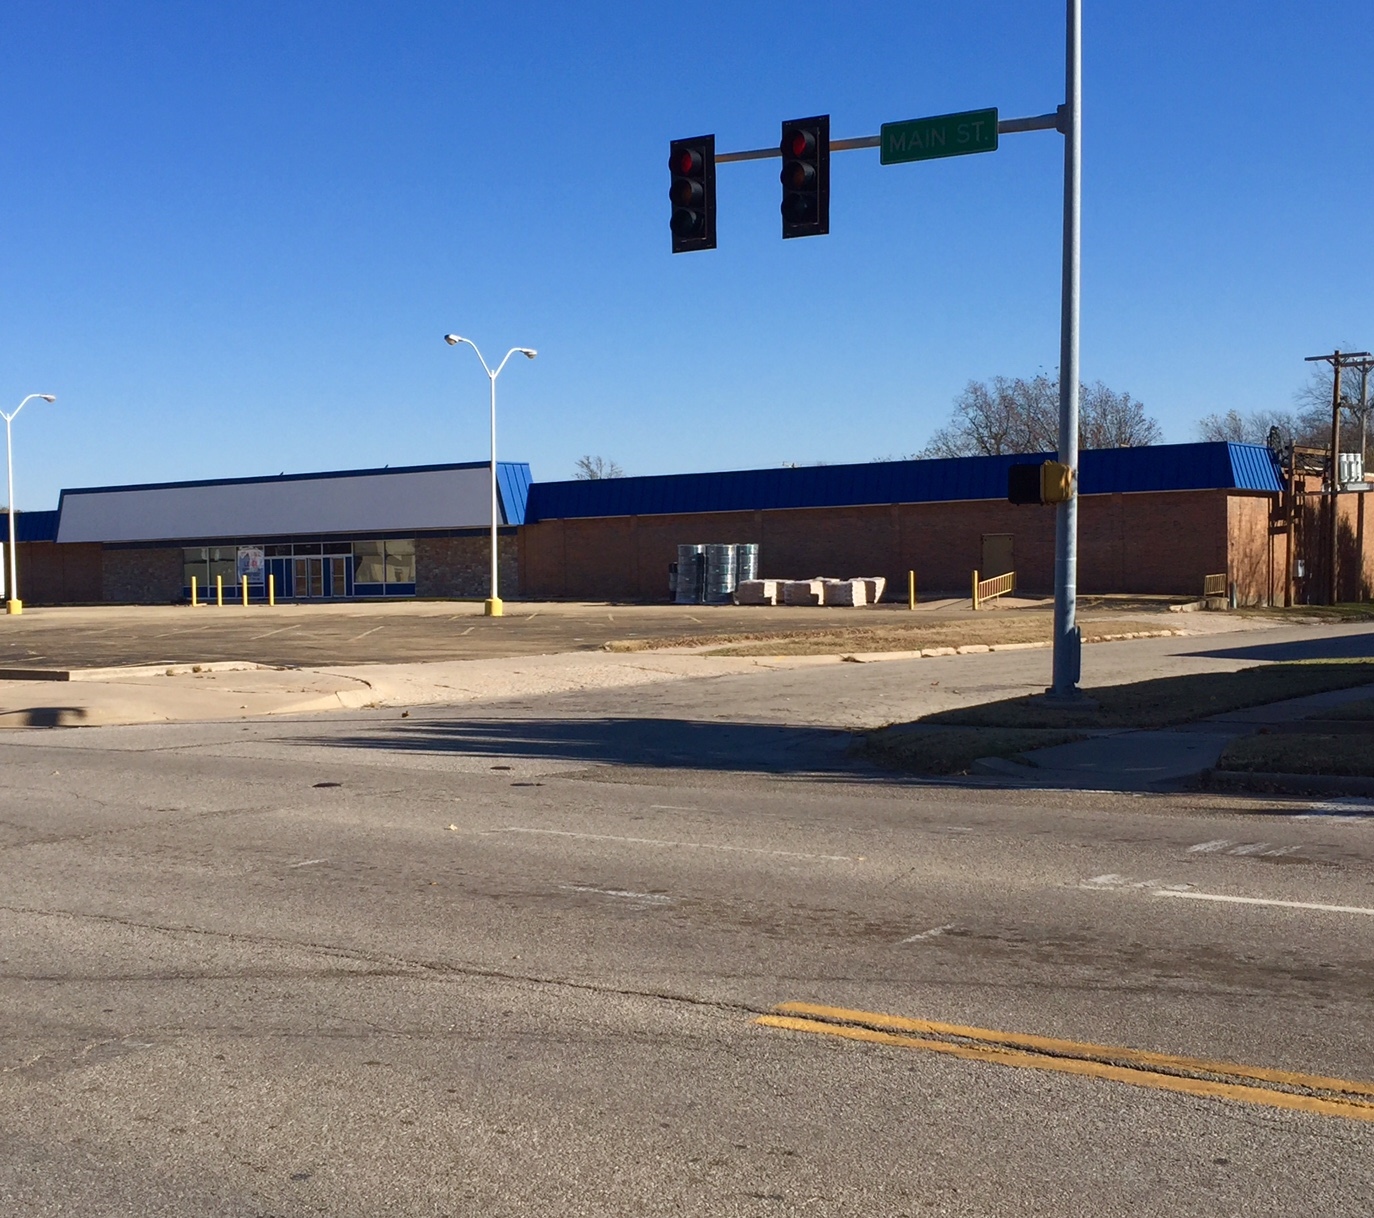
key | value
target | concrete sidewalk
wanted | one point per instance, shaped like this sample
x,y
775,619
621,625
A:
x,y
1157,760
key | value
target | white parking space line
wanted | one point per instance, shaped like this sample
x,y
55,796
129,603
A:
x,y
934,933
1210,847
307,863
654,841
622,894
1215,896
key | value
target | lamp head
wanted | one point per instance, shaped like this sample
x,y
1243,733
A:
x,y
453,339
48,397
527,352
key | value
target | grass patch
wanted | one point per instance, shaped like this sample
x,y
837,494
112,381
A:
x,y
923,750
1348,611
1169,700
988,630
1344,755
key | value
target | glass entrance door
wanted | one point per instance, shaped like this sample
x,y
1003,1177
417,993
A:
x,y
309,576
338,576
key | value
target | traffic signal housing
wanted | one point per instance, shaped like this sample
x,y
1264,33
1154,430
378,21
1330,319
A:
x,y
805,176
693,193
1046,482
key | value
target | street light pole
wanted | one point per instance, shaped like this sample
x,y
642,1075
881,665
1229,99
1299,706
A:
x,y
493,604
12,602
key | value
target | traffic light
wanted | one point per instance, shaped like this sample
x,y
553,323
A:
x,y
1023,483
693,192
805,177
1047,482
1056,482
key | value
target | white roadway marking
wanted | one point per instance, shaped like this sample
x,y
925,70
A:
x,y
1338,809
1243,848
307,863
365,633
1214,896
671,808
934,933
649,898
1112,880
654,841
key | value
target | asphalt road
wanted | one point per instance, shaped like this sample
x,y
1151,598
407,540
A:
x,y
357,965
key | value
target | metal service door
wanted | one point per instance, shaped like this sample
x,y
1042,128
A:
x,y
998,557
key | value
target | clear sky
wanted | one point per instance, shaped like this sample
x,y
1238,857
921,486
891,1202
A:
x,y
235,233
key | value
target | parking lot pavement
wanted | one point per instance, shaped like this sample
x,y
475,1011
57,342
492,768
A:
x,y
305,635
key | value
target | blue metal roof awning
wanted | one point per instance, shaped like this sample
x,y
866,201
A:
x,y
1162,467
29,526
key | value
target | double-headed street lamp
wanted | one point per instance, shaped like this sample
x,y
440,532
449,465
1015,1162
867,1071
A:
x,y
13,603
493,606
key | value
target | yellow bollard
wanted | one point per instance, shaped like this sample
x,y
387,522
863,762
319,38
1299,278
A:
x,y
975,589
193,592
219,590
271,588
245,592
911,589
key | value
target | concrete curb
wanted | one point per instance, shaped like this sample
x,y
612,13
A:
x,y
169,669
1260,781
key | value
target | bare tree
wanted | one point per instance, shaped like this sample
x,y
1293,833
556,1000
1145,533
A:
x,y
1308,424
1016,415
593,469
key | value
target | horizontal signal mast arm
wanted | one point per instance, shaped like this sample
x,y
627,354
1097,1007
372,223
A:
x,y
1007,126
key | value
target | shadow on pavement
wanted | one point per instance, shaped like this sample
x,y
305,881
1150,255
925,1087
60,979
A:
x,y
651,743
1331,647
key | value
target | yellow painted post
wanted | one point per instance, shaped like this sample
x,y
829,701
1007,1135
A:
x,y
911,589
271,588
193,592
975,589
245,592
219,590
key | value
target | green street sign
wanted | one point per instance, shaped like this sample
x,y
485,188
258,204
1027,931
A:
x,y
924,139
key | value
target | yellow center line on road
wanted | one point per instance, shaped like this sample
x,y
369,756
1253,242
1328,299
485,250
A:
x,y
1319,1094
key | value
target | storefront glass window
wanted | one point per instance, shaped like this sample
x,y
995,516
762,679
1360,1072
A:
x,y
400,562
368,566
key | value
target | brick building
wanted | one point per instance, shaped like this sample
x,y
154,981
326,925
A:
x,y
404,532
1151,520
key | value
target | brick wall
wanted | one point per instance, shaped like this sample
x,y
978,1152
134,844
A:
x,y
1146,543
142,577
461,566
50,574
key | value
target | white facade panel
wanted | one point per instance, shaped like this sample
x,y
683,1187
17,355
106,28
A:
x,y
401,503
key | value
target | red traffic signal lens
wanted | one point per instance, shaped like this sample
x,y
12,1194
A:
x,y
799,142
686,161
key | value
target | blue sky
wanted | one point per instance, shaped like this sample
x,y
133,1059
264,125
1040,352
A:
x,y
234,234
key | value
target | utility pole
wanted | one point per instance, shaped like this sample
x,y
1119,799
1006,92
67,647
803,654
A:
x,y
1338,360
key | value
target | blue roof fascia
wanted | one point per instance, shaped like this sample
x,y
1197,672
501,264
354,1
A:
x,y
1163,467
29,526
1255,468
513,489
